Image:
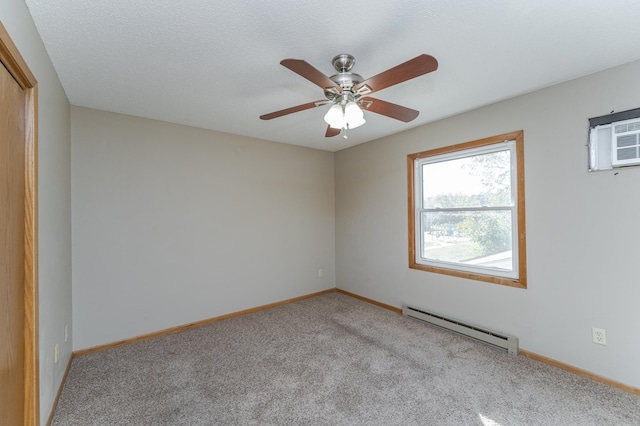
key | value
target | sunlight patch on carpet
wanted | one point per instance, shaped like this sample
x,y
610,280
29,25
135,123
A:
x,y
486,421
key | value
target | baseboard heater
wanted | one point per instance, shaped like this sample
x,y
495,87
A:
x,y
498,340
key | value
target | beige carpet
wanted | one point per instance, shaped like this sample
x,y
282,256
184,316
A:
x,y
329,360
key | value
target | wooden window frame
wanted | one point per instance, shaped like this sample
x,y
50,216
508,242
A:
x,y
521,280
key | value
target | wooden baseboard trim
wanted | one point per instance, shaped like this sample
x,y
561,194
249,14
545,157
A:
x,y
176,329
579,371
373,302
55,401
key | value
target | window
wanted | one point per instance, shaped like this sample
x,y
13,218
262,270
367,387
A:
x,y
466,210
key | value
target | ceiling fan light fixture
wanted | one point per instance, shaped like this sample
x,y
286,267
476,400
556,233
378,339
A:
x,y
353,116
348,116
335,116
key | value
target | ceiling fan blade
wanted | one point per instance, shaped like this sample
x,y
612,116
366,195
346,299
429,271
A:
x,y
387,108
291,110
413,68
331,132
307,71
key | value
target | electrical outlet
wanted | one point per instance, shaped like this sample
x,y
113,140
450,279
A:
x,y
599,336
66,333
56,353
320,272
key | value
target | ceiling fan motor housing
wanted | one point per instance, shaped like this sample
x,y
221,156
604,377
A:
x,y
344,79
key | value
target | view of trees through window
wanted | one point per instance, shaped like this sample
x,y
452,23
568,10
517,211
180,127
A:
x,y
466,215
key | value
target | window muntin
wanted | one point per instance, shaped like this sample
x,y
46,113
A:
x,y
467,210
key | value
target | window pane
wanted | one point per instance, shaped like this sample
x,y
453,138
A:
x,y
626,140
476,181
474,238
627,153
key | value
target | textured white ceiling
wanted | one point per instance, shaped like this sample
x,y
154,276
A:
x,y
215,64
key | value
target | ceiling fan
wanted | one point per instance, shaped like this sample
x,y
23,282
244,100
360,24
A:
x,y
348,92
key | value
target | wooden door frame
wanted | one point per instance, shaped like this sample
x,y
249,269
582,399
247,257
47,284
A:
x,y
17,67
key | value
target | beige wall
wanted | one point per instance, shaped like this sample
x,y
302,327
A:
x,y
582,228
54,202
173,224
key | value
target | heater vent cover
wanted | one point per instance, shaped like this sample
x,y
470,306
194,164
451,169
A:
x,y
495,339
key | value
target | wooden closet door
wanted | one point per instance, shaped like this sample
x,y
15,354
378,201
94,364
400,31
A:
x,y
19,384
12,243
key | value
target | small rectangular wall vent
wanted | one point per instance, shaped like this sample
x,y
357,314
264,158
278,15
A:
x,y
498,340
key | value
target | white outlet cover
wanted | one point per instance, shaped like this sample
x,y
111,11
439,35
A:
x,y
599,336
